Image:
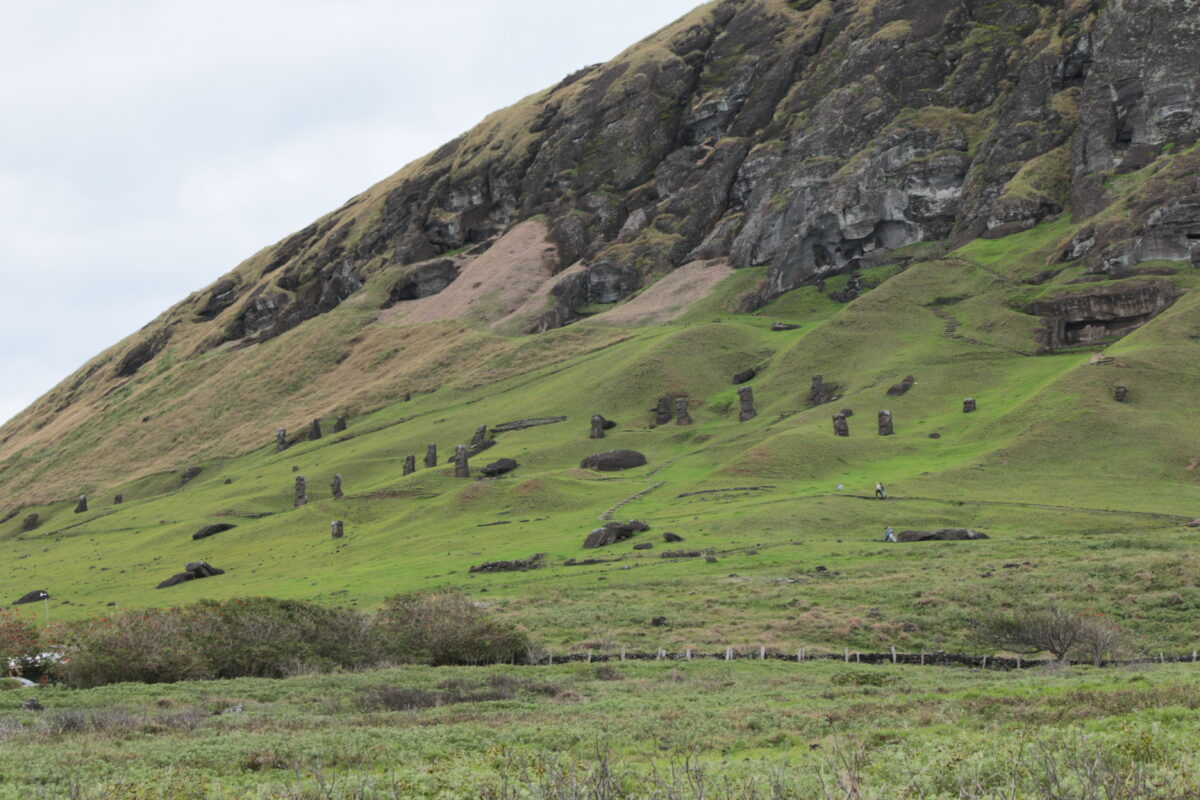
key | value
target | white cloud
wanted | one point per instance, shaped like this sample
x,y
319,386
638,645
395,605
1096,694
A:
x,y
150,145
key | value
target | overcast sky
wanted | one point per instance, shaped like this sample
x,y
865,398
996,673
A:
x,y
148,146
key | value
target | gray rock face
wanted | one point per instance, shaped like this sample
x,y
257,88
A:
x,y
335,487
613,532
516,565
840,426
423,280
301,492
410,465
885,423
431,456
746,401
462,467
613,461
1101,314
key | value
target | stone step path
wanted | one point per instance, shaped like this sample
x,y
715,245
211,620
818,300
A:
x,y
950,331
607,515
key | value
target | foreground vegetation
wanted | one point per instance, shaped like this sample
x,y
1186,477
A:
x,y
701,729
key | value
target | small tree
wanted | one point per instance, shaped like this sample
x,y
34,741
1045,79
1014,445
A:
x,y
1097,639
1030,631
446,628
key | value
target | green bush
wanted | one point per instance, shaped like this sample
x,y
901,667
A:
x,y
444,629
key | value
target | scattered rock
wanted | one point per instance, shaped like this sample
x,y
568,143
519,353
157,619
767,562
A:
x,y
337,529
30,523
228,481
969,405
672,537
335,487
462,466
901,388
613,460
32,597
501,467
212,530
682,417
935,436
746,399
885,423
191,571
431,456
840,426
613,532
516,565
745,376
301,488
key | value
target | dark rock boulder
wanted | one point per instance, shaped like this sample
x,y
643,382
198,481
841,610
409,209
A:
x,y
902,387
613,460
212,530
613,532
30,523
500,467
422,280
516,565
745,376
192,571
32,597
672,537
644,546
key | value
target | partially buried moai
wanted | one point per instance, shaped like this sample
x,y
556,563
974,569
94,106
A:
x,y
335,486
314,430
746,398
1121,394
597,427
81,506
340,425
280,439
410,465
969,405
431,456
885,423
462,468
336,529
663,412
301,491
682,417
840,426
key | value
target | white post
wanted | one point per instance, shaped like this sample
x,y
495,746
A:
x,y
1193,656
622,653
893,654
729,654
589,656
922,658
689,654
1161,660
799,655
1018,662
984,665
846,654
762,653
551,661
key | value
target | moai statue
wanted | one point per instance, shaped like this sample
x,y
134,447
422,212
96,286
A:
x,y
462,469
840,426
682,417
340,425
431,456
820,392
969,405
81,506
335,486
480,442
301,491
663,413
746,397
885,423
280,440
30,522
1121,394
118,500
336,529
410,465
407,397
314,431
597,427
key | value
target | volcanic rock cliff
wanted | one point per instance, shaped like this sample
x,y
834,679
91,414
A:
x,y
800,135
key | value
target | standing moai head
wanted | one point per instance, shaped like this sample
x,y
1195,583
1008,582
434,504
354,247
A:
x,y
301,491
335,486
118,500
410,465
336,529
840,426
81,506
30,522
280,439
431,456
969,405
462,469
340,425
746,397
597,427
664,411
820,392
407,396
314,430
480,441
885,423
682,417
1121,394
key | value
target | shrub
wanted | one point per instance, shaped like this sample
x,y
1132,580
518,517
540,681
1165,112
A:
x,y
1032,630
446,628
19,644
145,646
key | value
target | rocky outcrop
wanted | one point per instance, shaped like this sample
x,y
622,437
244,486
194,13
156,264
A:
x,y
613,532
423,280
1100,314
516,565
613,461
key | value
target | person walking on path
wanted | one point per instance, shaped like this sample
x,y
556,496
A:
x,y
889,535
880,492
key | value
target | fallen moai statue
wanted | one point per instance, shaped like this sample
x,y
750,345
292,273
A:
x,y
516,565
613,460
212,530
613,532
902,387
500,467
32,597
941,535
191,571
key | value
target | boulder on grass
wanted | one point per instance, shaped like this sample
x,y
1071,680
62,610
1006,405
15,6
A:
x,y
212,530
613,460
501,467
613,532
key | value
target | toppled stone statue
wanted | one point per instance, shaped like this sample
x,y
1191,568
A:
x,y
191,571
745,376
30,523
340,425
746,398
613,532
81,506
840,426
516,565
885,423
410,465
335,487
613,460
462,468
480,442
969,405
672,537
664,410
32,597
314,430
784,326
337,529
431,456
682,417
501,467
821,392
902,387
280,440
1121,394
301,491
942,535
188,475
597,427
522,424
212,530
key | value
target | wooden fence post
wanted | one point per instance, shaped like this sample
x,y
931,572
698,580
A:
x,y
762,653
729,654
589,656
893,654
984,664
846,654
858,658
1018,662
922,658
1193,656
688,655
622,653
